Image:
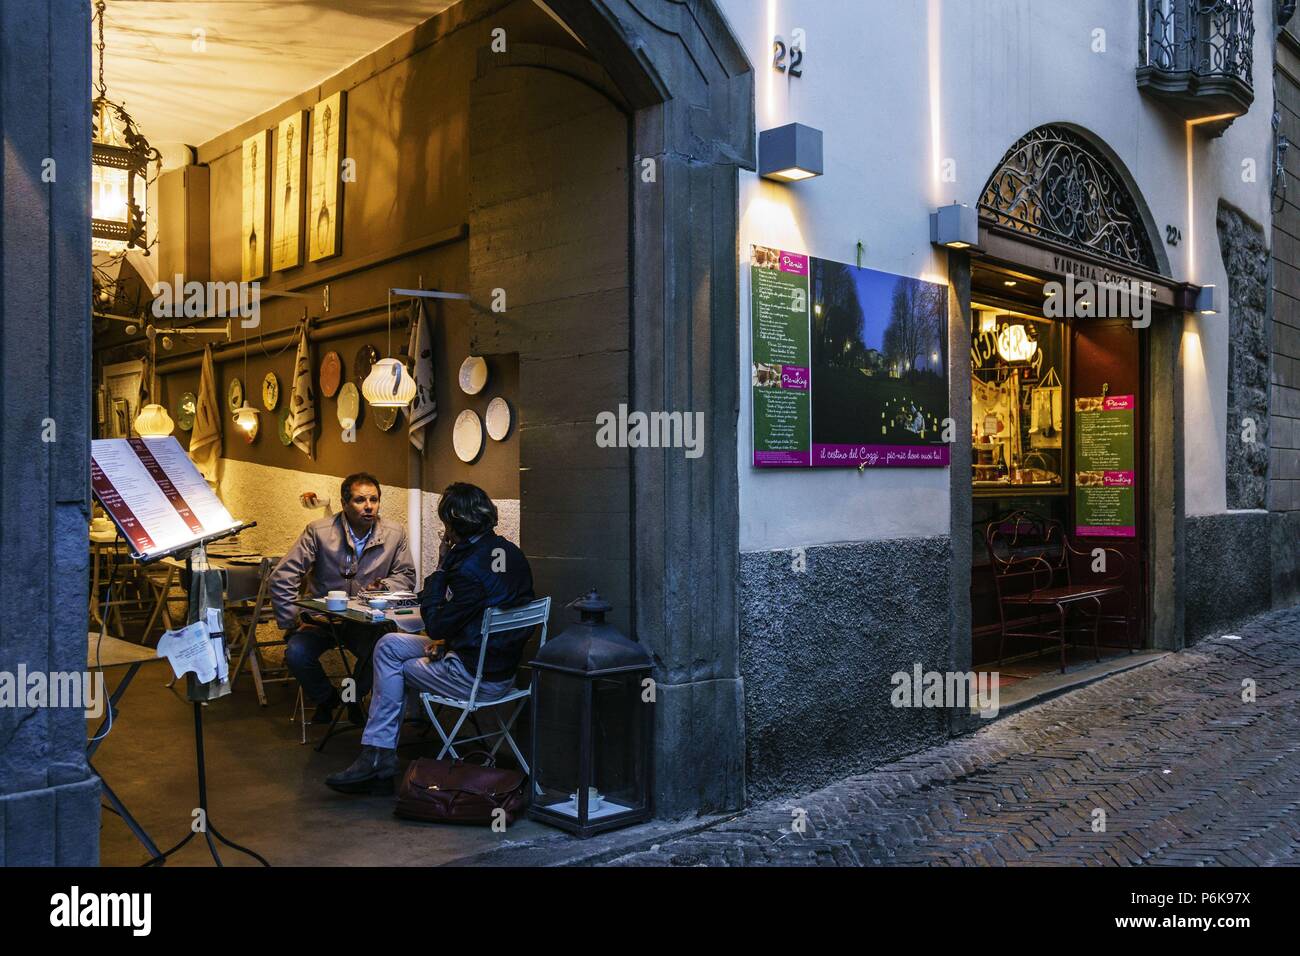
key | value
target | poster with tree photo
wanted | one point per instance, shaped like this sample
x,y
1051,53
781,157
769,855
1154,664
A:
x,y
849,365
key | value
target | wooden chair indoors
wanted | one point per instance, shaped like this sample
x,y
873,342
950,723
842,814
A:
x,y
1032,559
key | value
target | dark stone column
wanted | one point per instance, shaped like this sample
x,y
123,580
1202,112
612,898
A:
x,y
49,801
959,476
692,92
1245,255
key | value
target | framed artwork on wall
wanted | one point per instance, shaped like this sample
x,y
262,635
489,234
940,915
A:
x,y
286,193
324,214
253,229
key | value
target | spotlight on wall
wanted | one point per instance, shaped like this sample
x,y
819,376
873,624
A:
x,y
955,227
790,153
1205,301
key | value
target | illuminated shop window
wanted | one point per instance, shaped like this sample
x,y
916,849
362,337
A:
x,y
1018,404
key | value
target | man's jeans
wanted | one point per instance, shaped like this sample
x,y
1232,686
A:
x,y
307,644
402,663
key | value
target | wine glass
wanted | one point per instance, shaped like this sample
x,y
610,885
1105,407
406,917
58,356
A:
x,y
349,569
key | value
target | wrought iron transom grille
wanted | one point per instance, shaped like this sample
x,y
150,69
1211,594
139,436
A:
x,y
1201,37
1052,184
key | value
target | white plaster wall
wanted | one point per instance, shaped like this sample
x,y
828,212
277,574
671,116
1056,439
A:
x,y
270,496
899,87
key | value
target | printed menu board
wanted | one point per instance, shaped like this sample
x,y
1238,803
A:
x,y
849,365
154,494
1104,493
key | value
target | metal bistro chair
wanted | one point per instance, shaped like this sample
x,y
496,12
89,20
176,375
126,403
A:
x,y
495,621
1031,559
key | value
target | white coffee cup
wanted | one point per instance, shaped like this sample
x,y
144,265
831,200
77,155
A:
x,y
336,600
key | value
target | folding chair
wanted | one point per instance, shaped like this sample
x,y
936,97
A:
x,y
249,617
495,621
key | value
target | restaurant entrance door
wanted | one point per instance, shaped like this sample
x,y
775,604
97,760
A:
x,y
1059,415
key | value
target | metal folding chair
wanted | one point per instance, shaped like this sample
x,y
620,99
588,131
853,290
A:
x,y
495,621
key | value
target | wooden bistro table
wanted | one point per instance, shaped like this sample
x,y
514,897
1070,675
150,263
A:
x,y
102,654
358,613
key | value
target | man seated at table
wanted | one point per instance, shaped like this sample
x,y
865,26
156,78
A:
x,y
355,541
477,569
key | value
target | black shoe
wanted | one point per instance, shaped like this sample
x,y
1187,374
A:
x,y
372,772
356,715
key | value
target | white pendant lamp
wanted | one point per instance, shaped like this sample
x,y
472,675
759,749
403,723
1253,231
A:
x,y
389,384
153,420
246,416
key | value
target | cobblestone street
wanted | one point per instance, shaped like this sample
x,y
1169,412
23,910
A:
x,y
1185,772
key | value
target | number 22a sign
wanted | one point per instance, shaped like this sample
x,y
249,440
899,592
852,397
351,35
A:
x,y
794,51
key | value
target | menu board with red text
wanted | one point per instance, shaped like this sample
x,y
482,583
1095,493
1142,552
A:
x,y
154,494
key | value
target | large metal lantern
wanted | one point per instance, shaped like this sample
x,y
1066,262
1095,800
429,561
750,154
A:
x,y
592,721
120,158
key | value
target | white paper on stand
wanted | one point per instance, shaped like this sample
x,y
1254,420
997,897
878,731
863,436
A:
x,y
190,649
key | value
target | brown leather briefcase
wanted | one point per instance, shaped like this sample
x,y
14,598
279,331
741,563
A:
x,y
454,791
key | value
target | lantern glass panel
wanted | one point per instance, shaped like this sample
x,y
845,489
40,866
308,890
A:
x,y
109,194
557,762
619,728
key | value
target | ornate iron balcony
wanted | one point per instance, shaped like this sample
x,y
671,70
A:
x,y
1198,56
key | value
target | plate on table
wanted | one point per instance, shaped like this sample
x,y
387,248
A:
x,y
286,433
385,418
270,391
467,435
349,410
473,375
367,356
498,419
331,374
235,394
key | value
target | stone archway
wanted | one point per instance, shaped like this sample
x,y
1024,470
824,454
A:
x,y
691,90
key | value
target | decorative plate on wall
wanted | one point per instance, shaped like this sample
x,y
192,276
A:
x,y
498,419
331,374
349,410
367,356
286,434
270,391
385,418
467,435
473,375
235,395
185,410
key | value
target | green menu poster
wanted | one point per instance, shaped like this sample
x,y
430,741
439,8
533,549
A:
x,y
1104,492
780,337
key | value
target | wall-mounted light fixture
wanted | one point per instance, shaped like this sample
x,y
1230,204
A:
x,y
955,227
1205,301
790,153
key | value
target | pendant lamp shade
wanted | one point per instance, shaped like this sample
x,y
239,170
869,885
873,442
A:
x,y
389,385
153,421
246,418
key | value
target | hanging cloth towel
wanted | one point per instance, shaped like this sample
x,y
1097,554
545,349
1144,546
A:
x,y
205,439
423,408
302,403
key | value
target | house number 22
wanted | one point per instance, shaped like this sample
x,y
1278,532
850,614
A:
x,y
795,51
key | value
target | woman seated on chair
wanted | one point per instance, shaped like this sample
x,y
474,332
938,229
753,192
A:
x,y
477,569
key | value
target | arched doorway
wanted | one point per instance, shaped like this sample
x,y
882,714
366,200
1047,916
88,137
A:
x,y
1068,266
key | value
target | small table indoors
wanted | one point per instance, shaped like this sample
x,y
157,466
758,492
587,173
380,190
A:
x,y
357,613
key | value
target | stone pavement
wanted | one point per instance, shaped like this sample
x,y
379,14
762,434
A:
x,y
1185,772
